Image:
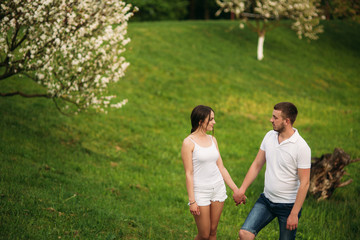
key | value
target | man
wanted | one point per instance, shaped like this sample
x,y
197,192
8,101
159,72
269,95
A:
x,y
287,177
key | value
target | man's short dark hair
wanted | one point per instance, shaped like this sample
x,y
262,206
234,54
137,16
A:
x,y
288,110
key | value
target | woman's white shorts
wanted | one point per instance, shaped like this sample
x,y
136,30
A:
x,y
204,195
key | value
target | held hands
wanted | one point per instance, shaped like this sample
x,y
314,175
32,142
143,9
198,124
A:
x,y
292,222
239,197
194,209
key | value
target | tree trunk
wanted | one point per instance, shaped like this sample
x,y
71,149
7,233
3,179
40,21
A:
x,y
192,9
326,173
260,47
206,10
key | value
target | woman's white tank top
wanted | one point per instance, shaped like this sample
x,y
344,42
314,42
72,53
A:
x,y
206,172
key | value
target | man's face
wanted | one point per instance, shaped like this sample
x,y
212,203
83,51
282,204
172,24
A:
x,y
278,121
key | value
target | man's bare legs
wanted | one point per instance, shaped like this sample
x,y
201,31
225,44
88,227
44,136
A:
x,y
246,235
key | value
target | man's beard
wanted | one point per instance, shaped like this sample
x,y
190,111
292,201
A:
x,y
279,129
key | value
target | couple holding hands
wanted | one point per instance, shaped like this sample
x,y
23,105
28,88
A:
x,y
287,176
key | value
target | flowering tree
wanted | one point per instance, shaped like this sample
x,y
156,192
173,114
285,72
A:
x,y
304,14
70,47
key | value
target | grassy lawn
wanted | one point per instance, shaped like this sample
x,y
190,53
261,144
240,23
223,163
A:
x,y
120,175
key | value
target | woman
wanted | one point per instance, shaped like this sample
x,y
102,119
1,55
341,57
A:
x,y
205,173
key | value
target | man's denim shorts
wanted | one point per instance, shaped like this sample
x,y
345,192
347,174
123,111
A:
x,y
264,211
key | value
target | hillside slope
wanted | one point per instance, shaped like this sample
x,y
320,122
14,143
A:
x,y
120,175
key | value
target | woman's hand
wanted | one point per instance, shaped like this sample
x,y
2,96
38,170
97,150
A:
x,y
194,209
239,197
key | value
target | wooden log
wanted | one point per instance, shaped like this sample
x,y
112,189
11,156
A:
x,y
327,172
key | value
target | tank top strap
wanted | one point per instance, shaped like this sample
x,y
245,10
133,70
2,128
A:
x,y
210,136
192,140
212,139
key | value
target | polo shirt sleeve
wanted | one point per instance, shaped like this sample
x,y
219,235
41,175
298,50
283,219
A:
x,y
304,157
263,143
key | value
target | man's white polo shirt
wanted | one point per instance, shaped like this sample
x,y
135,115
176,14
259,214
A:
x,y
282,163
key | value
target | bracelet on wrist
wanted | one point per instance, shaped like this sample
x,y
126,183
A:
x,y
191,203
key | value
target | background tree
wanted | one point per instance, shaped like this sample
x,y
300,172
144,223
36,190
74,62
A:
x,y
160,10
305,16
345,9
72,48
204,9
157,10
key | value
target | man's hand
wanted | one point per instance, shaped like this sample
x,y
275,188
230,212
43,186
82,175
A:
x,y
292,222
239,197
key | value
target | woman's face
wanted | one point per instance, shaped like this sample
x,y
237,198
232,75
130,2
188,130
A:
x,y
209,123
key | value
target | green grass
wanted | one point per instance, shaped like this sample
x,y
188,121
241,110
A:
x,y
120,175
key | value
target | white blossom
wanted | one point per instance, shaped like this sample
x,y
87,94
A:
x,y
40,76
304,13
119,104
72,48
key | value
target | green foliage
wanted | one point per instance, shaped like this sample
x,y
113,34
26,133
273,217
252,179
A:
x,y
152,10
342,9
120,176
205,9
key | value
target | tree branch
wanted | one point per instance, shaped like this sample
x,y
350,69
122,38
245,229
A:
x,y
13,40
21,40
273,25
256,16
345,183
251,26
355,160
59,109
7,74
25,95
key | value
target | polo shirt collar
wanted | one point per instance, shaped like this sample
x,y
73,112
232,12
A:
x,y
295,136
292,139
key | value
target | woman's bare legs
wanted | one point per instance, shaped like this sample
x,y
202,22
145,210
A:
x,y
215,213
208,220
203,223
